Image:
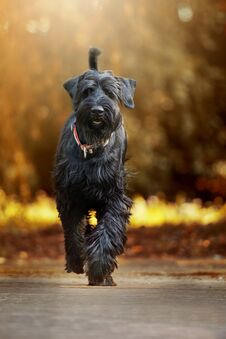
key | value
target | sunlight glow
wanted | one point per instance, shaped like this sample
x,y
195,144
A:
x,y
152,212
38,26
155,212
185,12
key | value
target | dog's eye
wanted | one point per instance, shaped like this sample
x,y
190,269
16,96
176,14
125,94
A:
x,y
109,93
87,92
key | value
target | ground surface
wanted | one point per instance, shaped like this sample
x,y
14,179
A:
x,y
153,299
184,241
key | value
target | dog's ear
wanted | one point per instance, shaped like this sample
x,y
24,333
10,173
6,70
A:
x,y
127,89
71,86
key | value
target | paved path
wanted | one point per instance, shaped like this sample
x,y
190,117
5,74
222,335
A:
x,y
55,305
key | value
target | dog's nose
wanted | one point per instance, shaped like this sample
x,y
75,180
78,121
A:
x,y
98,110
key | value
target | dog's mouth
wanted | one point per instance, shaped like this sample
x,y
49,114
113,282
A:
x,y
97,122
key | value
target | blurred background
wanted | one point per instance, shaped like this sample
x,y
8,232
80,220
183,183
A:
x,y
177,132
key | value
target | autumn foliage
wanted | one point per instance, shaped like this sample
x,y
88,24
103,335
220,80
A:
x,y
174,49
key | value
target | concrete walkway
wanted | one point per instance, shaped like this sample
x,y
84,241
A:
x,y
151,301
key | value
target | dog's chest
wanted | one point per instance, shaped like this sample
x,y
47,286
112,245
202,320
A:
x,y
101,173
98,179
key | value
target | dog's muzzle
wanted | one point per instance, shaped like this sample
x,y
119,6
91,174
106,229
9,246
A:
x,y
97,114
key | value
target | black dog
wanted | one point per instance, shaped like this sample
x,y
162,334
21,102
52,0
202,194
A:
x,y
89,172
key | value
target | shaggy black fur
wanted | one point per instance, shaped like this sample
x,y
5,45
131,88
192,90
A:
x,y
97,181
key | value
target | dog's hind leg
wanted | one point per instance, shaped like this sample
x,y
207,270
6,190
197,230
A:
x,y
107,241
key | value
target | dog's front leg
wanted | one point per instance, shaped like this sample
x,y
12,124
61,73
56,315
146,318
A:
x,y
73,225
107,241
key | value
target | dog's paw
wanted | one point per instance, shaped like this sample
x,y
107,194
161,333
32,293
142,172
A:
x,y
107,281
74,267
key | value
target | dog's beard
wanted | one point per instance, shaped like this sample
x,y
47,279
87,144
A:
x,y
93,129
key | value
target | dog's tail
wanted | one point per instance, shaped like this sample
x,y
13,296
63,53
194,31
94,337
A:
x,y
93,54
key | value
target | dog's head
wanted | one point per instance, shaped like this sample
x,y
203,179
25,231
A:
x,y
96,97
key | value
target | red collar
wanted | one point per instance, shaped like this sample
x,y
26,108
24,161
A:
x,y
86,148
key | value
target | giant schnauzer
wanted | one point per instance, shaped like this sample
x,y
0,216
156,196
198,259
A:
x,y
89,172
